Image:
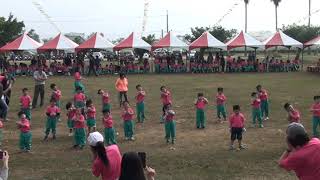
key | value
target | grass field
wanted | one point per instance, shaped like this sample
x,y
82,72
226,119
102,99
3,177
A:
x,y
198,154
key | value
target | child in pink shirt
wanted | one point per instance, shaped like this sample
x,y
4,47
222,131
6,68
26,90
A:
x,y
256,109
91,116
26,103
293,114
56,94
77,81
71,112
127,116
236,121
79,130
140,103
105,100
315,109
200,103
79,98
109,131
170,125
52,113
25,133
166,100
221,104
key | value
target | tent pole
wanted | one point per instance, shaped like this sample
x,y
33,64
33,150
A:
x,y
302,61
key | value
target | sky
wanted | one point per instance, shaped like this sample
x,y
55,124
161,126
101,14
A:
x,y
118,18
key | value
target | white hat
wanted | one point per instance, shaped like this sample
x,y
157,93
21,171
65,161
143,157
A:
x,y
94,138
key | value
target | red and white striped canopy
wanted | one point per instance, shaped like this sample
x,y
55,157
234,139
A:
x,y
97,41
281,39
243,40
170,41
60,42
206,40
315,41
22,43
133,41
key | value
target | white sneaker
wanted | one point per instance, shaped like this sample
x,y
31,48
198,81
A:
x,y
132,138
127,139
70,134
267,118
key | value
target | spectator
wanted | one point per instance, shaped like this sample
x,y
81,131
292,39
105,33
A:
x,y
92,65
106,160
131,168
302,155
40,78
5,168
222,63
7,85
122,88
3,105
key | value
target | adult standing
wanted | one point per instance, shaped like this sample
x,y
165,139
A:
x,y
222,63
302,155
40,78
122,88
7,82
3,105
92,65
106,160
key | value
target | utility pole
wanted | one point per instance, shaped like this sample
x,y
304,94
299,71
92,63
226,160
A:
x,y
161,33
309,23
167,21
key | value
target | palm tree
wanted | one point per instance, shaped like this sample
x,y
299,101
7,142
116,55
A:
x,y
276,4
245,20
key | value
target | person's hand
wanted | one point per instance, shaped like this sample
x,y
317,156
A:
x,y
5,159
151,173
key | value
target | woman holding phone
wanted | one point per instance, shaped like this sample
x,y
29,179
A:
x,y
5,167
122,88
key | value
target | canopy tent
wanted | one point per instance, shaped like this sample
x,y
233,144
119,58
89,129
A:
x,y
313,42
243,40
170,41
97,41
281,39
22,43
60,42
133,41
206,40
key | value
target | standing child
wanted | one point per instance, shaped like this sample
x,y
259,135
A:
x,y
79,99
1,133
128,123
91,116
200,104
256,109
263,96
52,113
221,104
236,121
140,103
77,80
166,100
71,112
105,100
315,109
56,94
170,125
109,131
25,133
26,103
293,114
79,130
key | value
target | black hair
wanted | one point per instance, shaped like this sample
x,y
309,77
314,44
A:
x,y
162,87
89,102
68,105
220,89
253,94
52,85
258,86
125,102
122,75
137,86
99,91
299,140
24,89
316,97
236,107
286,105
101,152
20,113
105,111
53,100
200,94
131,167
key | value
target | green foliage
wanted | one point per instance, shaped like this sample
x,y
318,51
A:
x,y
10,29
218,32
78,40
32,33
301,33
151,38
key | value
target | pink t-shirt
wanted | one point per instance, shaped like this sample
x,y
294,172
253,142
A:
x,y
79,97
25,101
91,113
53,110
77,76
105,98
294,116
24,125
126,116
256,103
113,170
201,104
79,122
71,114
108,122
305,161
140,97
263,95
237,120
166,98
316,106
57,95
221,99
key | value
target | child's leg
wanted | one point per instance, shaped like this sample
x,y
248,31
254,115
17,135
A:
x,y
315,124
254,116
70,125
54,126
218,112
106,136
259,117
142,111
198,118
76,137
21,141
232,137
112,136
28,140
167,130
82,137
173,131
138,112
48,126
266,108
130,129
223,112
203,119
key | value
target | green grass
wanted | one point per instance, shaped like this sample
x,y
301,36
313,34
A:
x,y
199,154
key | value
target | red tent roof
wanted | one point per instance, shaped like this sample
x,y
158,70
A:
x,y
23,42
314,41
97,41
132,41
60,42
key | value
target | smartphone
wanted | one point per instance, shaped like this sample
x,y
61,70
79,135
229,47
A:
x,y
1,154
143,157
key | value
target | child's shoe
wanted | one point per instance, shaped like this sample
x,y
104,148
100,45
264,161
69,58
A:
x,y
231,148
70,134
261,126
45,138
132,138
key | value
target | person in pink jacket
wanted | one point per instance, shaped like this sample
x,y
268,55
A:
x,y
122,88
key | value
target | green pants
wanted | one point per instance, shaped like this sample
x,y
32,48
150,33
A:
x,y
256,115
79,104
264,108
51,125
80,136
315,125
58,104
128,128
79,84
106,107
70,123
221,110
25,140
110,136
91,122
170,127
27,112
140,112
201,118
